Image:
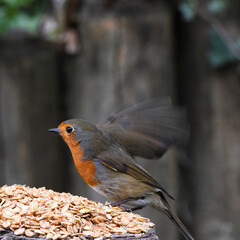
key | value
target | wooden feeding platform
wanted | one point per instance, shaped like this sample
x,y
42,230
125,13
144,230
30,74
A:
x,y
37,213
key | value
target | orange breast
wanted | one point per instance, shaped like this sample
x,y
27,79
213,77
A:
x,y
86,168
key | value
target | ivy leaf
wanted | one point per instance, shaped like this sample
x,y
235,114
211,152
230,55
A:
x,y
187,10
26,22
217,6
3,20
16,3
24,14
219,54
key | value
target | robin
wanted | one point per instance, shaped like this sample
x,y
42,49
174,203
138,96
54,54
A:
x,y
104,154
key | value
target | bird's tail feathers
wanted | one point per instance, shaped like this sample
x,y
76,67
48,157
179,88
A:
x,y
179,224
161,203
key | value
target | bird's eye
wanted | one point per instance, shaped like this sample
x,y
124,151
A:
x,y
69,129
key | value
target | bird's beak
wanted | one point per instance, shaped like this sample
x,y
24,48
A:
x,y
56,130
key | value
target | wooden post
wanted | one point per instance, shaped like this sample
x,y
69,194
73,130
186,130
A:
x,y
29,106
126,56
213,99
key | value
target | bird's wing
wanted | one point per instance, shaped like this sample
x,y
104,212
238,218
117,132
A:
x,y
120,161
149,128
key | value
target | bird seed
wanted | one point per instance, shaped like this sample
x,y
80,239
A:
x,y
44,213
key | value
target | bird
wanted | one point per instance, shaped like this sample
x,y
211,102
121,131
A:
x,y
104,154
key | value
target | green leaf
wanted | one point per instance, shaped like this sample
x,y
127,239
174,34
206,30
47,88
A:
x,y
187,10
16,3
219,54
217,6
4,19
23,21
24,14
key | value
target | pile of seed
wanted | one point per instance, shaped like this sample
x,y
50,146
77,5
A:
x,y
44,213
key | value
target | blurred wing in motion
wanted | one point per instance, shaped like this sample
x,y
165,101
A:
x,y
148,129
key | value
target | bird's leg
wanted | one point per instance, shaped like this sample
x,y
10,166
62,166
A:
x,y
135,208
118,203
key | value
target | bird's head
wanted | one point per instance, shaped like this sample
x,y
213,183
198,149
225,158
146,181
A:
x,y
80,132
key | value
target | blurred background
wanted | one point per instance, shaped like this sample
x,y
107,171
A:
x,y
64,59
